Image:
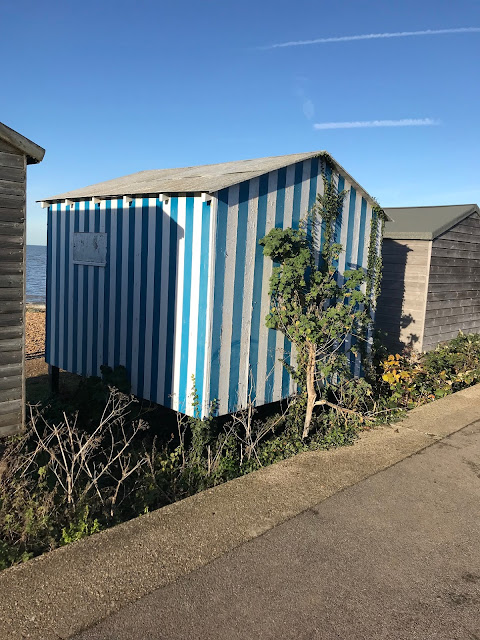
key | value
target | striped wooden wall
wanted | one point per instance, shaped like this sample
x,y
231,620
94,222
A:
x,y
453,303
245,355
184,291
12,283
147,308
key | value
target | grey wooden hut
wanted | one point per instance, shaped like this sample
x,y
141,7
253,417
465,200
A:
x,y
16,152
431,275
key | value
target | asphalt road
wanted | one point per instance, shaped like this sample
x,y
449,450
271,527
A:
x,y
395,556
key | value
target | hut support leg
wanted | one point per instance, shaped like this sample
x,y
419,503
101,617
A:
x,y
54,378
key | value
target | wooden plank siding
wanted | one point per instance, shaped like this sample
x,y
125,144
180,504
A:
x,y
403,297
453,302
12,288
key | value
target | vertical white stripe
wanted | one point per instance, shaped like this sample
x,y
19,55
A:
x,y
262,372
356,235
53,287
211,285
304,192
194,295
182,207
70,337
90,287
101,356
318,225
356,227
289,189
244,374
137,285
80,337
127,212
162,309
63,301
305,189
344,229
113,283
228,290
152,231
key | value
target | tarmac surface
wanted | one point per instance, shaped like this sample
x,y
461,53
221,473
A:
x,y
395,556
376,540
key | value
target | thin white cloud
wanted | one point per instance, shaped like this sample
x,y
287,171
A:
x,y
364,124
373,36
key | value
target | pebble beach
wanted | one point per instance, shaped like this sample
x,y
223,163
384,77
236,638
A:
x,y
34,330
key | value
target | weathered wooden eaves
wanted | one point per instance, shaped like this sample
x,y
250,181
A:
x,y
26,147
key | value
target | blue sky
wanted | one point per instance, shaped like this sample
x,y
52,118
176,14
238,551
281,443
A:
x,y
113,87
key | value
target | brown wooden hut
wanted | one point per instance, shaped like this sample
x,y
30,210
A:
x,y
431,275
16,152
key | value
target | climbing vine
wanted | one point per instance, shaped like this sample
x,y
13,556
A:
x,y
374,259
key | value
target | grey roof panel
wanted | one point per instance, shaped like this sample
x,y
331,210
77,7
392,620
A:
x,y
208,178
204,178
424,223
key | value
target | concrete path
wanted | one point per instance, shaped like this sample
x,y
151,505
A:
x,y
395,556
311,551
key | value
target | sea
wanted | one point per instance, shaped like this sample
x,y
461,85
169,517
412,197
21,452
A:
x,y
36,274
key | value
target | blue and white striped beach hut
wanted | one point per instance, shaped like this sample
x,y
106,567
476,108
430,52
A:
x,y
161,271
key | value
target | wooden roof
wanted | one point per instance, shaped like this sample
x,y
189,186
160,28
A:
x,y
33,152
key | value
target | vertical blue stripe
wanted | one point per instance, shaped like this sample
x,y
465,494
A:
x,y
157,287
172,278
58,292
351,223
118,283
66,293
185,384
106,295
272,333
86,286
296,215
96,276
129,284
257,283
328,171
312,194
297,196
48,293
203,301
76,267
338,226
280,201
220,252
339,220
143,299
239,282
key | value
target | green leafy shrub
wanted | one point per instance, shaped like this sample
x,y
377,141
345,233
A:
x,y
410,380
81,527
73,473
